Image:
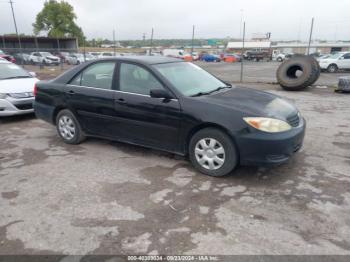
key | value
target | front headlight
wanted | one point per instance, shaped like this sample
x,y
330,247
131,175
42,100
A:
x,y
3,96
270,125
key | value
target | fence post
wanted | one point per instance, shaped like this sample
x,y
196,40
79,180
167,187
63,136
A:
x,y
242,58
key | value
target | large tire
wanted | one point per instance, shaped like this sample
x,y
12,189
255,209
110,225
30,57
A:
x,y
68,127
287,73
212,152
317,65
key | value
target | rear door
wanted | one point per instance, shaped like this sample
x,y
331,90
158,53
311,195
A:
x,y
91,96
153,122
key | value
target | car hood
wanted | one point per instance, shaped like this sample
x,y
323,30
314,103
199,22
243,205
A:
x,y
251,102
52,57
327,60
20,85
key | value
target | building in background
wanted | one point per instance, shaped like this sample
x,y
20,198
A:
x,y
9,44
290,47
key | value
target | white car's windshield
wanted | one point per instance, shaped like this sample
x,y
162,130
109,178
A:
x,y
11,71
334,56
189,79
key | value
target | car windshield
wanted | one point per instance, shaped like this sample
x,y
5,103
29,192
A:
x,y
10,71
189,79
335,56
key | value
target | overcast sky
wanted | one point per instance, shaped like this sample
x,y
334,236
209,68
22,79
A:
x,y
285,19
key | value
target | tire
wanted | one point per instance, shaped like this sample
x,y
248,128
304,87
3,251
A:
x,y
287,73
65,123
333,68
32,62
211,165
317,75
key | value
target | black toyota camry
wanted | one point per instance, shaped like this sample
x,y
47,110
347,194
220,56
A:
x,y
171,105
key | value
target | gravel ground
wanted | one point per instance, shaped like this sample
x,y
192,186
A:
x,y
104,197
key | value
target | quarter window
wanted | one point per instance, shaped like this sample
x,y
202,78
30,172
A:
x,y
98,75
135,79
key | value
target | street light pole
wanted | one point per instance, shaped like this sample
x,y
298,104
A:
x,y
14,21
150,50
312,28
114,43
192,41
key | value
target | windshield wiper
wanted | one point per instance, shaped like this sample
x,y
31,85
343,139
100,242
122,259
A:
x,y
210,92
14,77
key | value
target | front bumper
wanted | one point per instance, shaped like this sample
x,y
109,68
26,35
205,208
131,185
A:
x,y
261,148
12,106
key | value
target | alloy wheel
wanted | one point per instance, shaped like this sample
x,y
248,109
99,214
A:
x,y
66,127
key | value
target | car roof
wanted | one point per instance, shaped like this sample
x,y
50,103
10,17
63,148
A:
x,y
147,60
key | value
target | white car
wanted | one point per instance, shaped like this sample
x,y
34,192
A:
x,y
281,57
44,58
335,62
77,59
106,55
16,89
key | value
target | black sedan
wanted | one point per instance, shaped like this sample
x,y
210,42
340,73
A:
x,y
171,105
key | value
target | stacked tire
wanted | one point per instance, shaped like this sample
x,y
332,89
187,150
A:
x,y
298,72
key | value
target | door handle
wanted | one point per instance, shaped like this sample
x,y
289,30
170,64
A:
x,y
71,92
121,101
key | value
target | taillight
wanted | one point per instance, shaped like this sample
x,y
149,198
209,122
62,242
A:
x,y
35,90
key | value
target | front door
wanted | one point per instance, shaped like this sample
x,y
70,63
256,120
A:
x,y
90,96
153,122
344,61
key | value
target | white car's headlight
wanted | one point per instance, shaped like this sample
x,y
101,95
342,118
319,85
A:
x,y
270,125
3,96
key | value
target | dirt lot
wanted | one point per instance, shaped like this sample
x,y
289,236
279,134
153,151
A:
x,y
104,197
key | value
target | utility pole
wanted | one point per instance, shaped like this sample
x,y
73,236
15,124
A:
x,y
150,50
114,43
240,25
312,28
242,59
192,40
14,21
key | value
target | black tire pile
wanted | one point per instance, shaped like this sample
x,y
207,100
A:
x,y
298,72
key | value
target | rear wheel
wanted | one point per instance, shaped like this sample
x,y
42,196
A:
x,y
333,68
212,152
68,127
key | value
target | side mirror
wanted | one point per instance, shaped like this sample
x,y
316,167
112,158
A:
x,y
33,74
161,93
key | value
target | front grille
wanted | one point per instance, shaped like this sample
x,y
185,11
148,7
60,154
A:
x,y
294,120
25,106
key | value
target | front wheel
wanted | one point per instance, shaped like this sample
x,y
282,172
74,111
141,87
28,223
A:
x,y
212,152
68,127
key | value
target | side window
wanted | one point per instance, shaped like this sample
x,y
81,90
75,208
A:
x,y
347,56
98,75
135,79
